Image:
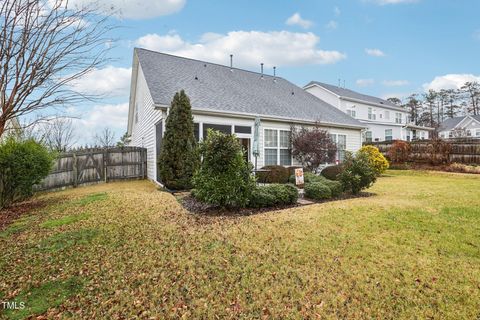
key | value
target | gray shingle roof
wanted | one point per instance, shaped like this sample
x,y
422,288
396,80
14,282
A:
x,y
219,88
449,124
347,93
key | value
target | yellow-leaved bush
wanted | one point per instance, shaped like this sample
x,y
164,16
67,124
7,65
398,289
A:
x,y
376,159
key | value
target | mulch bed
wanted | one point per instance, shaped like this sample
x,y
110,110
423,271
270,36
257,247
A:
x,y
196,207
15,211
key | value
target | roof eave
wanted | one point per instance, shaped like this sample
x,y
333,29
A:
x,y
265,117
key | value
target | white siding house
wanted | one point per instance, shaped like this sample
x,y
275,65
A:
x,y
460,127
228,99
383,119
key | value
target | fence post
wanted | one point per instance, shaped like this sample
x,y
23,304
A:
x,y
105,161
75,170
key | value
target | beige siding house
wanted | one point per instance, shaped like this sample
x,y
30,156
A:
x,y
228,99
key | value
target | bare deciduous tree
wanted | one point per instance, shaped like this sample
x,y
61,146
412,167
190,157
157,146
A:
x,y
45,46
105,139
59,134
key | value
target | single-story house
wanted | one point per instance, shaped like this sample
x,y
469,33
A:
x,y
460,127
384,119
229,100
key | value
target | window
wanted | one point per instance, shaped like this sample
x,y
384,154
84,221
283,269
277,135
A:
x,y
388,135
341,142
387,115
243,129
450,134
352,113
219,127
368,136
477,134
398,117
380,115
277,147
371,114
469,133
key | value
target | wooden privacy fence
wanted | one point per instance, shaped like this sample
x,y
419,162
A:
x,y
96,165
461,150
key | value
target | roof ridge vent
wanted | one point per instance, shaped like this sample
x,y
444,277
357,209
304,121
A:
x,y
261,68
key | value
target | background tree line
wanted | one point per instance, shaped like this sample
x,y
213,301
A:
x,y
435,106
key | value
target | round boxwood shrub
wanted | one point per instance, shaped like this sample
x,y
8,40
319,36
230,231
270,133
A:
x,y
276,174
317,191
336,187
309,177
224,177
332,172
22,165
273,195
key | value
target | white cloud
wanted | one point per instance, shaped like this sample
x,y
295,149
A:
x,y
332,25
296,19
395,83
375,52
336,11
113,116
364,82
130,9
279,48
109,81
450,81
385,2
476,34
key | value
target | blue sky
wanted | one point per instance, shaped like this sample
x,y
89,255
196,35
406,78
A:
x,y
379,47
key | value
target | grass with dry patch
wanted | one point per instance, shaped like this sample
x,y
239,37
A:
x,y
127,250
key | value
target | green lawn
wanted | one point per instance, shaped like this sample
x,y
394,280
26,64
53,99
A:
x,y
126,250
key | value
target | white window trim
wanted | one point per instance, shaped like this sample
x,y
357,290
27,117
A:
x,y
391,135
337,158
278,147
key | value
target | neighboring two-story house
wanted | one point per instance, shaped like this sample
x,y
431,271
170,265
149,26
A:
x,y
460,127
383,119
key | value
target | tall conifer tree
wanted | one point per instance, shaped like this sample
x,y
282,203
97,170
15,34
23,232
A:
x,y
179,157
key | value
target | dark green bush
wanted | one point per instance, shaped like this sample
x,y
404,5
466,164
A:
x,y
22,165
224,177
308,177
178,158
358,174
273,195
276,174
336,187
317,191
332,172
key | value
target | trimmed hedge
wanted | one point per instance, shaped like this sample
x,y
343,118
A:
x,y
273,195
317,191
336,187
277,174
309,177
22,165
332,172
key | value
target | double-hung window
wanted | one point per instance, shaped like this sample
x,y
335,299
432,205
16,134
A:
x,y
371,114
341,142
398,117
352,113
368,136
388,135
277,147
